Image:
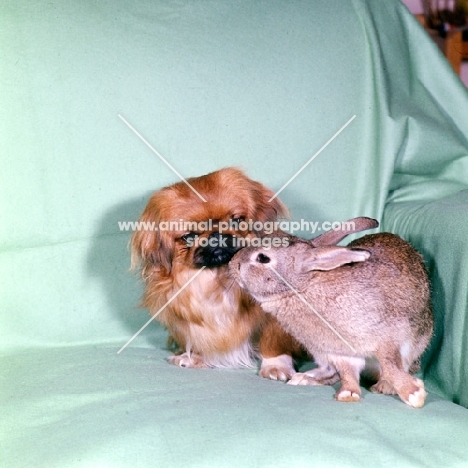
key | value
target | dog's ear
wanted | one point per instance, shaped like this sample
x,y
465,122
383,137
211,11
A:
x,y
151,247
268,207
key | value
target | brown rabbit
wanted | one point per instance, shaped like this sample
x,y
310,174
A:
x,y
369,300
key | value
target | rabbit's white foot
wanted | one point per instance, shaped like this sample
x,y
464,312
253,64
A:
x,y
417,397
410,390
347,396
349,369
187,360
322,375
277,368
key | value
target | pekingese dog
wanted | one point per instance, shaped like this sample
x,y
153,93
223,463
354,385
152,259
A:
x,y
183,257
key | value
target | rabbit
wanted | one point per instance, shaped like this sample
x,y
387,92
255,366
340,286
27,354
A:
x,y
326,374
369,301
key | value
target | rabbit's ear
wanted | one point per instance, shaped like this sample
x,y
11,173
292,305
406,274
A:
x,y
329,258
351,226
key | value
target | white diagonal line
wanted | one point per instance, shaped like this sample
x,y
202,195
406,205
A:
x,y
160,310
312,309
312,158
159,155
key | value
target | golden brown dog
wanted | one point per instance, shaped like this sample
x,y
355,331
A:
x,y
213,322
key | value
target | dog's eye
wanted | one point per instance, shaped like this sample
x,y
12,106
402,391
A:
x,y
189,237
262,258
238,219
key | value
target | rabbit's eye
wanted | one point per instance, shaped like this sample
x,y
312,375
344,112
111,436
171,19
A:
x,y
262,258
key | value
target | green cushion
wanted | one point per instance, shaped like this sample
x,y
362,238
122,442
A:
x,y
91,407
265,85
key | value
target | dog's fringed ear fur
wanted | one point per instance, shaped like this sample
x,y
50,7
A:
x,y
151,248
267,210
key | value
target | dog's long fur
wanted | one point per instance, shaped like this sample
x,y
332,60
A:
x,y
213,322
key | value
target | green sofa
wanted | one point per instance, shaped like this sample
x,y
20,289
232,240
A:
x,y
259,84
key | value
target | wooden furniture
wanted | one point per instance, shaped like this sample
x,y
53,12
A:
x,y
452,46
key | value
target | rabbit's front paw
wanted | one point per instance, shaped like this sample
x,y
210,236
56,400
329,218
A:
x,y
347,395
322,375
301,378
277,368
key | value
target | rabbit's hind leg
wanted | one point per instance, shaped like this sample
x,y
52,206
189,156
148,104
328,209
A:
x,y
384,387
373,373
349,369
409,388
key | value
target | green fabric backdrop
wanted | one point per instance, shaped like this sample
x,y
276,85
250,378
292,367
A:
x,y
258,84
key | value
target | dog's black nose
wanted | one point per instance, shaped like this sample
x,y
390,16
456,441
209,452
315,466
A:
x,y
217,241
217,251
215,236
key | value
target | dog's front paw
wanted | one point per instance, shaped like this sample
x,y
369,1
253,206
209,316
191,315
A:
x,y
187,360
277,368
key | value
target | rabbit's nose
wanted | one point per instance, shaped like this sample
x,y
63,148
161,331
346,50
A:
x,y
262,258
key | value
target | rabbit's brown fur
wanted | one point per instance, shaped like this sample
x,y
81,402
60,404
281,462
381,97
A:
x,y
345,304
